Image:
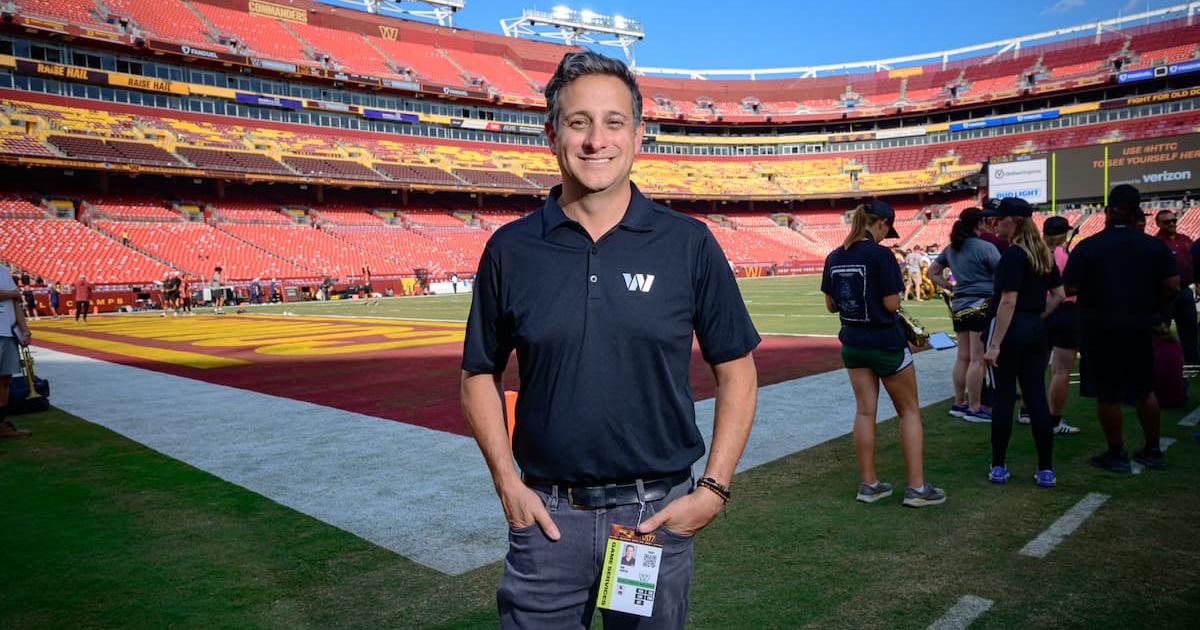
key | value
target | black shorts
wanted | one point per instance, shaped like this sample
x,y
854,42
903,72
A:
x,y
971,319
1062,326
30,301
172,295
1116,366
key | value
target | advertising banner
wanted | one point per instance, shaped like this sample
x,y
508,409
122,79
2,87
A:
x,y
1025,179
270,101
1154,166
393,116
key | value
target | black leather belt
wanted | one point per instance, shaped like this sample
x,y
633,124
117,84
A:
x,y
610,495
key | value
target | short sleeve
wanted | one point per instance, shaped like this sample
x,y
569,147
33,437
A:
x,y
826,283
722,324
889,281
1010,272
1053,279
488,342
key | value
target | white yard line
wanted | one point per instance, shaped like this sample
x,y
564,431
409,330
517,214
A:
x,y
963,613
1066,524
1163,444
421,493
1191,419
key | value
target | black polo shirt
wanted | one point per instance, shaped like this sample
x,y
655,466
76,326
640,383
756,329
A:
x,y
1119,274
603,333
858,279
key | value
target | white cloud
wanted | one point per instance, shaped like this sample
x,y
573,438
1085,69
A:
x,y
1064,6
1133,5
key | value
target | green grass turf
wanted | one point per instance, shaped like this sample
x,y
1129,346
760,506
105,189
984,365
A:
x,y
103,532
784,304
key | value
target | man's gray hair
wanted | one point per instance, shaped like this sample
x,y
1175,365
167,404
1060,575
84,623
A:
x,y
582,64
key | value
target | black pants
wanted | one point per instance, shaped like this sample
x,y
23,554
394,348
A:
x,y
1022,360
81,308
1183,312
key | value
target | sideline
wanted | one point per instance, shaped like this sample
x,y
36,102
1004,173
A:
x,y
1066,524
963,613
356,472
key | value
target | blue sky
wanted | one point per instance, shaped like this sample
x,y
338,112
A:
x,y
712,34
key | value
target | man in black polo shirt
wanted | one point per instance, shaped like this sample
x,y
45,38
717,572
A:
x,y
600,292
1123,277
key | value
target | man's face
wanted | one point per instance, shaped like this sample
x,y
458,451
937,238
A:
x,y
595,138
1166,223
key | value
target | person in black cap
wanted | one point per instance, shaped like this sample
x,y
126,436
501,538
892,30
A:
x,y
1062,329
1027,287
862,284
1123,278
973,262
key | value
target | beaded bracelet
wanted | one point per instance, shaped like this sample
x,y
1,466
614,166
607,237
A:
x,y
712,484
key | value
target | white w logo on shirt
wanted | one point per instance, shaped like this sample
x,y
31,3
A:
x,y
638,281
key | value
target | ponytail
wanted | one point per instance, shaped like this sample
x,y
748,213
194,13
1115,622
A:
x,y
859,222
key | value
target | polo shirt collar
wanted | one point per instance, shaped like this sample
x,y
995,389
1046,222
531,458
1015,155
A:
x,y
639,216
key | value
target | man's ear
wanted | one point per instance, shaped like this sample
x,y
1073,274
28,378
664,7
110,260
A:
x,y
551,138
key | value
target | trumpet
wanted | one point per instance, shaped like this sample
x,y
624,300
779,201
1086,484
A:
x,y
27,367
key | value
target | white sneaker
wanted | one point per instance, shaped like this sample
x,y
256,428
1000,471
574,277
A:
x,y
1065,429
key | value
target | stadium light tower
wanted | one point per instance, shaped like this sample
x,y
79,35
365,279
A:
x,y
574,27
441,10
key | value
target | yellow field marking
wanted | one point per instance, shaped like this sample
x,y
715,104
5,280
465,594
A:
x,y
284,336
162,355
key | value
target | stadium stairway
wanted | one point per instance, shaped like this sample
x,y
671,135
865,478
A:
x,y
117,239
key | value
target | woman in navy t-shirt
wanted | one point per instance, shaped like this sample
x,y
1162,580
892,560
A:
x,y
862,284
1027,289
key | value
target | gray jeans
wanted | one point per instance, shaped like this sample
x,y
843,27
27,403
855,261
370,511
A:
x,y
554,584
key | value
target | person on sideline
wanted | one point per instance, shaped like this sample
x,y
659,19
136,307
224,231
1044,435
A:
x,y
861,282
1123,279
14,330
912,260
1027,288
973,262
83,296
1062,330
1183,310
600,292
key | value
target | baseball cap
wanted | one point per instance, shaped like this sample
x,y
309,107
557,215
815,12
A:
x,y
991,203
1055,226
883,211
1010,207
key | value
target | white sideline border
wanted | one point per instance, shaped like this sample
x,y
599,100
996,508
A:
x,y
963,613
356,472
1066,524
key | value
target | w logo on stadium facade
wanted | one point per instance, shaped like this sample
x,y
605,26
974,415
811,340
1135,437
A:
x,y
389,32
638,281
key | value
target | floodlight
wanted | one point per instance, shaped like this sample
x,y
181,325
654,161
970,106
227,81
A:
x,y
576,28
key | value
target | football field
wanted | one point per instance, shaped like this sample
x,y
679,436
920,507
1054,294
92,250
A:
x,y
305,465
